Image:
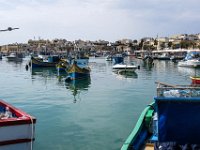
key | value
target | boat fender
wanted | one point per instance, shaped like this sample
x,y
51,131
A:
x,y
26,67
68,79
138,67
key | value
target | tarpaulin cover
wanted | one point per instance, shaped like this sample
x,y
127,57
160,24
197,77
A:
x,y
178,119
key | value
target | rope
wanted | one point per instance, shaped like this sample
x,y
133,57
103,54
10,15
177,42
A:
x,y
32,134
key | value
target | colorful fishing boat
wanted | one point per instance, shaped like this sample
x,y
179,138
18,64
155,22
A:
x,y
50,62
62,66
17,128
170,122
195,79
79,69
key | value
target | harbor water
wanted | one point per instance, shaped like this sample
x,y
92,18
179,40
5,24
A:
x,y
95,114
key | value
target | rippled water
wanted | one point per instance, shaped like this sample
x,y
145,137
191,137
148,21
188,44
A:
x,y
96,114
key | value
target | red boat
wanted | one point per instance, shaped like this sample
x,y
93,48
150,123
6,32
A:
x,y
195,79
17,128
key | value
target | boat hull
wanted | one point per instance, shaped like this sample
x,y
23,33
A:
x,y
14,58
195,80
16,132
189,63
124,68
39,63
138,137
75,72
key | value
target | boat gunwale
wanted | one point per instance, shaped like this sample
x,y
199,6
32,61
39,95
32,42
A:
x,y
133,135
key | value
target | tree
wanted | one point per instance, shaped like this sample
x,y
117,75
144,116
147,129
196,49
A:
x,y
170,44
141,44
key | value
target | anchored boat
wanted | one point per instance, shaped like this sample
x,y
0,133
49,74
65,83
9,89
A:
x,y
195,79
50,62
170,122
124,68
17,128
79,69
192,60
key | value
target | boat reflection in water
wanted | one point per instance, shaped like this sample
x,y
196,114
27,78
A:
x,y
127,74
44,72
77,86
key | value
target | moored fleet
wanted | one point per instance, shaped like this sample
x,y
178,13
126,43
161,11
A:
x,y
149,131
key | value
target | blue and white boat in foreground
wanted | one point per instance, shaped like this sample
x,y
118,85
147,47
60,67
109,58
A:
x,y
170,122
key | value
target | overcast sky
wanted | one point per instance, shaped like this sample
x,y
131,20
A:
x,y
97,19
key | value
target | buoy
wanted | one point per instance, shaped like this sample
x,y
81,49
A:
x,y
26,67
138,67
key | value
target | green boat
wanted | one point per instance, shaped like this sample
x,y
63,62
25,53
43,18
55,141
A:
x,y
170,122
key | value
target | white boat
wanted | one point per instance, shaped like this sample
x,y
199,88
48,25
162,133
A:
x,y
17,128
13,57
193,63
192,60
124,67
164,56
109,58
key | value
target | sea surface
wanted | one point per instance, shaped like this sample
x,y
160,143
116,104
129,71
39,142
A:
x,y
95,114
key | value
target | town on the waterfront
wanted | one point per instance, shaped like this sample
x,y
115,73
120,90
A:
x,y
148,45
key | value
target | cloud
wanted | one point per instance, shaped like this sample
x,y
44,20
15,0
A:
x,y
98,19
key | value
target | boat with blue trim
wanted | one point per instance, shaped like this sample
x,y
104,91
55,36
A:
x,y
79,69
192,60
50,62
170,122
62,66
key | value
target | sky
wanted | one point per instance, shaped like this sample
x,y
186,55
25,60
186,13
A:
x,y
109,20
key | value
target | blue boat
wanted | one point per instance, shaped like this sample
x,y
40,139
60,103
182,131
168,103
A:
x,y
170,122
50,62
79,69
118,59
62,66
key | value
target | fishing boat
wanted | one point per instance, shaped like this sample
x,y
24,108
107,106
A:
x,y
17,128
117,59
163,56
192,60
50,62
14,57
62,66
195,79
170,122
79,69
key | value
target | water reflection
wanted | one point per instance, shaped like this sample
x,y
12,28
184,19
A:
x,y
77,86
127,74
189,71
43,72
